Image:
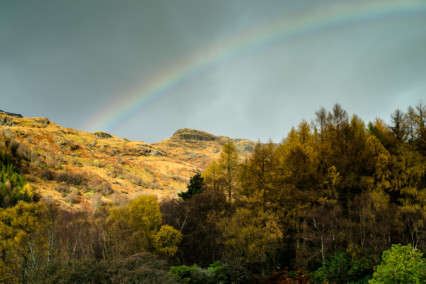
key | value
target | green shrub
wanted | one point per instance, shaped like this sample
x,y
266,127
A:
x,y
401,264
340,268
183,272
217,272
13,186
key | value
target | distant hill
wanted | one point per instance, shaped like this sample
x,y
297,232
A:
x,y
11,113
77,168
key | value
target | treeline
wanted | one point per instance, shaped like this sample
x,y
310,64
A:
x,y
325,203
332,196
42,243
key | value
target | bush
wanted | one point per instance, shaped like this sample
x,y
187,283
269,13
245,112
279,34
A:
x,y
62,188
101,186
72,198
135,180
54,161
183,272
167,240
335,269
97,200
401,264
13,186
47,175
340,268
23,152
138,268
119,200
217,272
98,164
70,178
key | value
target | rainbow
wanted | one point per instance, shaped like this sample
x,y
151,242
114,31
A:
x,y
132,102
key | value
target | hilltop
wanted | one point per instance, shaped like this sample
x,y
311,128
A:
x,y
79,168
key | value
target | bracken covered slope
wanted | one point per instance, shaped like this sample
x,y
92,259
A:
x,y
82,170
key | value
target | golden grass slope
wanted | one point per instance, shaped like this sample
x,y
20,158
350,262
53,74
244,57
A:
x,y
83,170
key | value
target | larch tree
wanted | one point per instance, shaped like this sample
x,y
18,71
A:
x,y
398,128
250,236
213,177
258,176
229,165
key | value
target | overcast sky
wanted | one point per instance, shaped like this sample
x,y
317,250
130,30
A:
x,y
240,68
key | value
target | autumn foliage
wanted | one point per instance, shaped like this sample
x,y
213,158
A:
x,y
329,203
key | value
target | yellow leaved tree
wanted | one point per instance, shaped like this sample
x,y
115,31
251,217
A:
x,y
136,227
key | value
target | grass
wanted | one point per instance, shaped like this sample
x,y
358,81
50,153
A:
x,y
110,161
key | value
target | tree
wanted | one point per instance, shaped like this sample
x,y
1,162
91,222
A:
x,y
195,186
132,228
167,240
421,127
321,120
401,264
399,128
23,241
410,119
380,130
213,177
339,268
250,237
192,219
338,122
228,163
13,186
379,163
322,226
258,176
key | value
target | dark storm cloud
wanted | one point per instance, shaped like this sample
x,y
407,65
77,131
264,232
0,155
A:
x,y
71,60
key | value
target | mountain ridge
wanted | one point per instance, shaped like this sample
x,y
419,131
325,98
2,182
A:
x,y
78,168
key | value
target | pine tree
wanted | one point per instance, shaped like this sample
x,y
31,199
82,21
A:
x,y
195,186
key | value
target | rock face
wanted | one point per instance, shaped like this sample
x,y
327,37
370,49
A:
x,y
144,151
43,121
191,134
8,133
6,121
102,135
11,114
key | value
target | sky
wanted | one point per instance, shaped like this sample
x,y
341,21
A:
x,y
239,68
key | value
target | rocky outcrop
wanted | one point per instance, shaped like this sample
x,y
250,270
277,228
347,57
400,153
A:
x,y
42,121
65,144
6,120
11,113
143,151
8,133
193,135
102,135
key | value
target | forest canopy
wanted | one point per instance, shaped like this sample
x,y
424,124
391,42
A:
x,y
330,202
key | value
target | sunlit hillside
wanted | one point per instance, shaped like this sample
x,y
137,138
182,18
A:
x,y
337,201
79,168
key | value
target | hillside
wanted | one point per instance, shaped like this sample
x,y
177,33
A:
x,y
335,196
78,168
